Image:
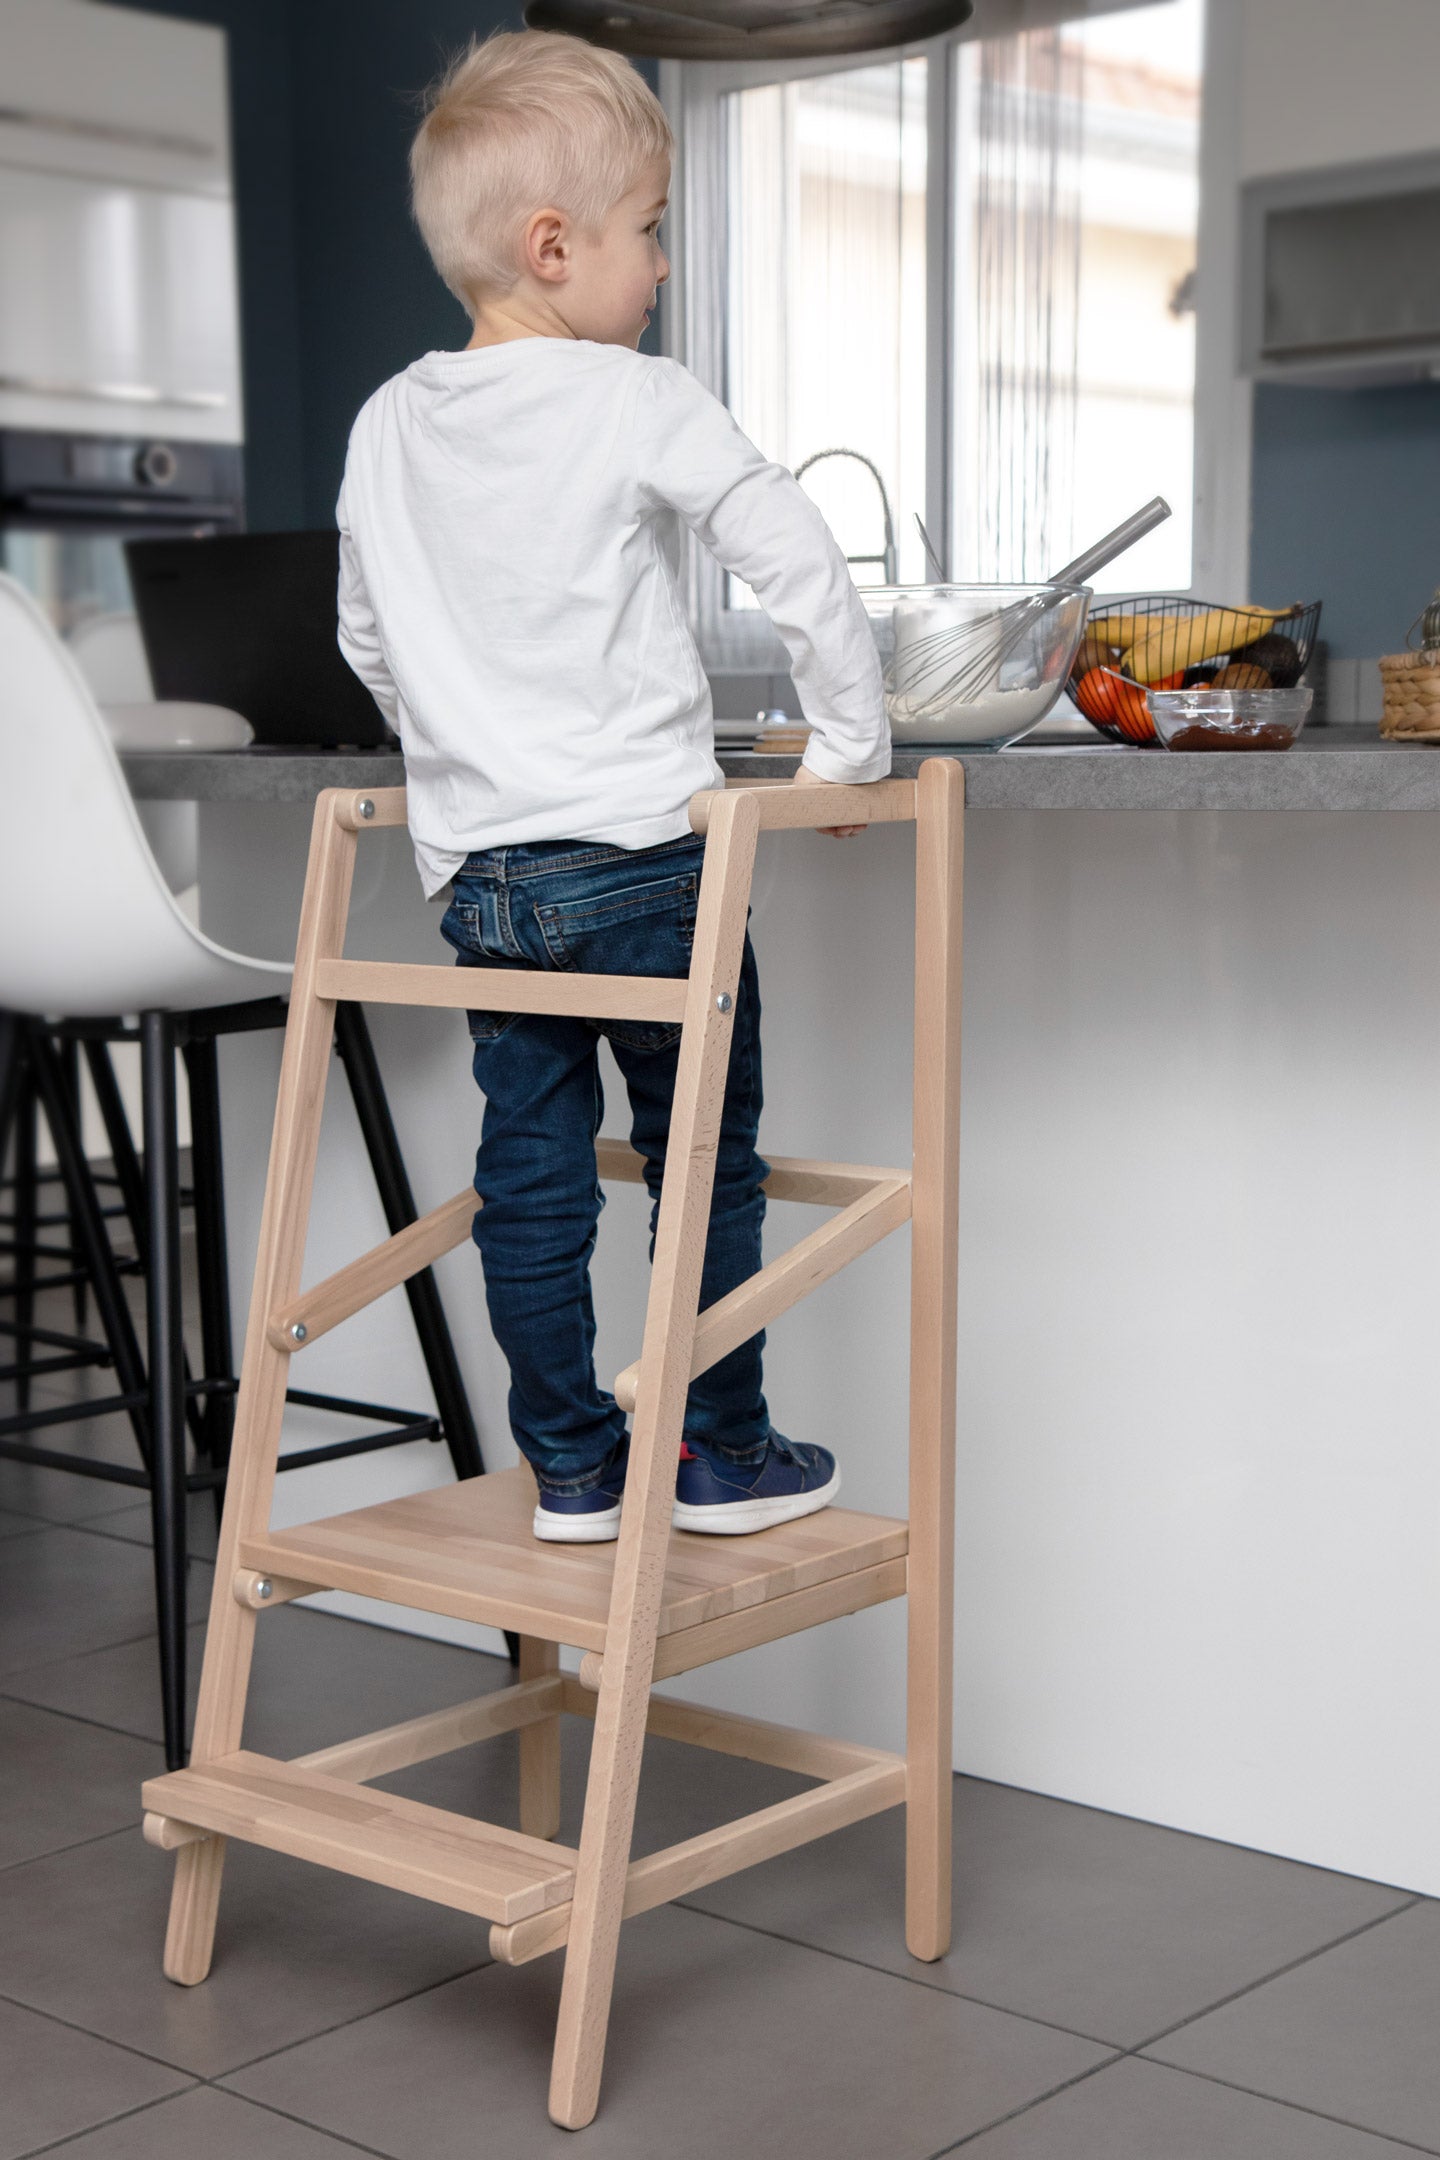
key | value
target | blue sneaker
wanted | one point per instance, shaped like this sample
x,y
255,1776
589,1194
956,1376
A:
x,y
726,1500
591,1518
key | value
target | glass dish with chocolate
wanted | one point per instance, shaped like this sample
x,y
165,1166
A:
x,y
1238,717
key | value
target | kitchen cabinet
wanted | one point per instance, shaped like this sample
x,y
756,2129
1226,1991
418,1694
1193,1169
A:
x,y
118,310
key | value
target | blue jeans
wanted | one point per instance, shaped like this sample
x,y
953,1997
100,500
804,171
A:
x,y
576,906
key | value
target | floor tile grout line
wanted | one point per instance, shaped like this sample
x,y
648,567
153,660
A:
x,y
87,2032
75,1717
302,2122
1308,1958
148,2107
886,1972
1298,2107
58,1852
986,2002
107,2122
1067,2085
126,1642
466,1972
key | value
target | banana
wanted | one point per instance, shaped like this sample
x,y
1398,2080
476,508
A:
x,y
1174,643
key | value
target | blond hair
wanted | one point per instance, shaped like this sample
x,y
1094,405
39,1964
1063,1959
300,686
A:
x,y
526,120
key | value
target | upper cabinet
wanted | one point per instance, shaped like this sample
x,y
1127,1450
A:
x,y
1342,274
117,250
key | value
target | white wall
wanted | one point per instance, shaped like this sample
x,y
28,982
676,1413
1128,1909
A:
x,y
1291,86
1336,82
1198,1488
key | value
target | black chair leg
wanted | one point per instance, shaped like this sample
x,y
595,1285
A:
x,y
83,1202
357,1054
167,1369
207,1177
70,1066
27,1230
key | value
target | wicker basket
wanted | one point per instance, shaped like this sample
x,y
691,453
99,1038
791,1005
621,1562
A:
x,y
1411,683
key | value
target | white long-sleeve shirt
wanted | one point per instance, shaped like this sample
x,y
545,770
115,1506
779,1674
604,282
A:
x,y
509,591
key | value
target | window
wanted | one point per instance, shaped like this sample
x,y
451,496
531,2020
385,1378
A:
x,y
843,156
970,266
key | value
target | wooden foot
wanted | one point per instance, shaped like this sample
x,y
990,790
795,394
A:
x,y
539,1748
194,1907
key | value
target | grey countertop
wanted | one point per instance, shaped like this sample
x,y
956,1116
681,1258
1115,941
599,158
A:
x,y
1331,769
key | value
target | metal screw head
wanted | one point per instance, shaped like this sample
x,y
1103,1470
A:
x,y
724,1001
299,1332
264,1588
365,808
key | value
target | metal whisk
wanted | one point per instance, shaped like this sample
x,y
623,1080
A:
x,y
956,665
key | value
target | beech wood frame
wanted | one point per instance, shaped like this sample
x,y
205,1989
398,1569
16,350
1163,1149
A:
x,y
538,1894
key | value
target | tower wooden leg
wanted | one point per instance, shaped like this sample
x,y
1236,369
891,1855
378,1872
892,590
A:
x,y
194,1908
933,1294
264,1370
661,1390
539,1748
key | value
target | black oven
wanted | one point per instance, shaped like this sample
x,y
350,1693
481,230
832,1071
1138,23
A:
x,y
68,504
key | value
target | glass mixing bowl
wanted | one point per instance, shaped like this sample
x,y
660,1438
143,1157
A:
x,y
974,666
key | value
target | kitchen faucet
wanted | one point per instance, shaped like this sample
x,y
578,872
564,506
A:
x,y
887,558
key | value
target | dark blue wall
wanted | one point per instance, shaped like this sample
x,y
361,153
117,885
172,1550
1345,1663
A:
x,y
369,299
262,134
1347,508
336,290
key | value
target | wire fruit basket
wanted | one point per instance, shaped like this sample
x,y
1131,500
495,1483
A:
x,y
1137,645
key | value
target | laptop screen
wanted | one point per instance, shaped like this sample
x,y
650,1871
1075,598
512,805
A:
x,y
248,621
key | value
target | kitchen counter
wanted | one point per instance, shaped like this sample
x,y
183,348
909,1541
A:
x,y
1330,769
1199,1173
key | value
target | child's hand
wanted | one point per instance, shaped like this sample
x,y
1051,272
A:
x,y
805,778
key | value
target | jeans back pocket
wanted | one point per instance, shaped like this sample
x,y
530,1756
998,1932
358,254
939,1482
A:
x,y
644,929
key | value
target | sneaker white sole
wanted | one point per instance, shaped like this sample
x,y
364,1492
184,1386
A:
x,y
576,1529
737,1518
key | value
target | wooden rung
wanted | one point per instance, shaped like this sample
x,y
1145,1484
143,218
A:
x,y
680,1869
792,1177
420,1739
351,1288
478,1868
520,990
732,1320
799,809
686,1648
783,1747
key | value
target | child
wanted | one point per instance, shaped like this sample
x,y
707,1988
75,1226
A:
x,y
511,525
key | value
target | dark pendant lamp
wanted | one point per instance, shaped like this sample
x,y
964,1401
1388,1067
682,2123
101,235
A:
x,y
748,29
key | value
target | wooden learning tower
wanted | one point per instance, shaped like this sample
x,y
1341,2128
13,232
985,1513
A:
x,y
658,1602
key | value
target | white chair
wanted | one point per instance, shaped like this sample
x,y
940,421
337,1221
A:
x,y
90,933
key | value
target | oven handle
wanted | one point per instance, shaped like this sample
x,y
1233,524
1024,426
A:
x,y
115,393
169,509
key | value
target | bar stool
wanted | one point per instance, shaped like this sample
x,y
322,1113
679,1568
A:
x,y
658,1601
94,935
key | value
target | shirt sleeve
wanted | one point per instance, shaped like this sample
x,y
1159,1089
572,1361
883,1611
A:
x,y
358,633
757,521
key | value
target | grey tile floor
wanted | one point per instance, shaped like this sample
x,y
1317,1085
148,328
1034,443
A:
x,y
1116,1991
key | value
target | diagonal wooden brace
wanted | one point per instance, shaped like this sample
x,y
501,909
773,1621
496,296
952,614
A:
x,y
732,1320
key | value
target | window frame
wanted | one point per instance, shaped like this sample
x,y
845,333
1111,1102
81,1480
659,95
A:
x,y
693,329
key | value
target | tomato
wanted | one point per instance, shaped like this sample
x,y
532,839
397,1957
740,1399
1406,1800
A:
x,y
1114,701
